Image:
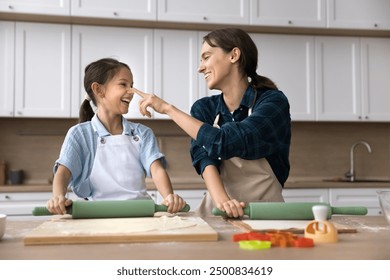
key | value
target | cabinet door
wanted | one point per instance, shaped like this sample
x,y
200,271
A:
x,y
7,45
204,11
306,195
356,197
294,13
175,68
289,62
375,78
132,46
359,14
338,94
42,70
118,9
46,7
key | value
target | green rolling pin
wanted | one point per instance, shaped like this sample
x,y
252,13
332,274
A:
x,y
291,210
110,209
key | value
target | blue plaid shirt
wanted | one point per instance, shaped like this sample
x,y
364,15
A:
x,y
266,133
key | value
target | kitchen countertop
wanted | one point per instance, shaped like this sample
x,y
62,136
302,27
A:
x,y
197,183
371,242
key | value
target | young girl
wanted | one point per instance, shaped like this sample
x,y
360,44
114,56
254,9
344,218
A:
x,y
106,157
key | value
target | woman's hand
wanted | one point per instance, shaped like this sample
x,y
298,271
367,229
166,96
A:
x,y
153,101
174,203
232,208
58,204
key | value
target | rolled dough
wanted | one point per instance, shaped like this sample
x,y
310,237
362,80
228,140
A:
x,y
119,225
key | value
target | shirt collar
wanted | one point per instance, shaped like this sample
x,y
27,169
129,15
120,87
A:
x,y
246,101
102,131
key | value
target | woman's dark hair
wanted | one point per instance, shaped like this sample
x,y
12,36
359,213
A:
x,y
230,38
99,71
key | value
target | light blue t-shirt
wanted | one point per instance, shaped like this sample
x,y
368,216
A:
x,y
80,145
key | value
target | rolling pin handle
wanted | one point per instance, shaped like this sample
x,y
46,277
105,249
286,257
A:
x,y
163,208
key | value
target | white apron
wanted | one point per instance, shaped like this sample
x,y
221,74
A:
x,y
117,173
246,181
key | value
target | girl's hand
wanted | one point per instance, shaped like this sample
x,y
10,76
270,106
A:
x,y
153,101
58,204
232,208
174,203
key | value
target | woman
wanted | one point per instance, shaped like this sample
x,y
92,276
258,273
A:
x,y
106,157
240,138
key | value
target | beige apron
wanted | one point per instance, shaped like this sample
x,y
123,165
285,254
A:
x,y
246,181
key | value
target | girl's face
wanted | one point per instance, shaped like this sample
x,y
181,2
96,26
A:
x,y
117,94
216,66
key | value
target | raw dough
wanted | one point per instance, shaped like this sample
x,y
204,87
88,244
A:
x,y
116,226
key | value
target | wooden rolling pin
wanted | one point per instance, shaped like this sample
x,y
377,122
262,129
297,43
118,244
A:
x,y
81,209
291,210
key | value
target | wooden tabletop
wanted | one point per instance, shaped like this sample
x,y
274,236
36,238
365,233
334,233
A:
x,y
372,241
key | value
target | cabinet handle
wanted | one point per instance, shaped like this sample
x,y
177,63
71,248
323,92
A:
x,y
204,18
20,113
290,22
7,197
115,14
376,25
360,117
366,117
10,7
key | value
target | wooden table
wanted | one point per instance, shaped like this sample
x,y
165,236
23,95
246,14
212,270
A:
x,y
372,241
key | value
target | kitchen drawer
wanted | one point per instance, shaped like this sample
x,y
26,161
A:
x,y
356,197
24,203
306,195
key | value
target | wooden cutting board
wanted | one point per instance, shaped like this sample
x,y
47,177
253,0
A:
x,y
66,230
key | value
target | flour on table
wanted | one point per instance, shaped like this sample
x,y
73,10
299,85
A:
x,y
115,226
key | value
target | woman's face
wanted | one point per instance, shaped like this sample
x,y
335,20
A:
x,y
117,94
216,66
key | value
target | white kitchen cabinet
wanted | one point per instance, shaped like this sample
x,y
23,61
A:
x,y
352,81
306,195
153,195
23,203
42,70
45,7
375,61
338,87
192,197
7,50
133,46
118,9
359,14
289,61
356,197
292,13
175,68
204,11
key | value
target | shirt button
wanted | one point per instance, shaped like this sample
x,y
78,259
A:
x,y
219,158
